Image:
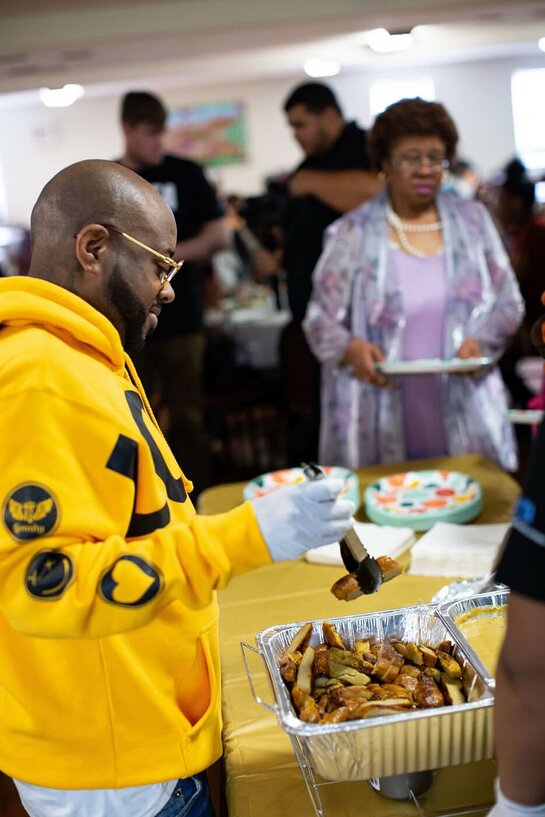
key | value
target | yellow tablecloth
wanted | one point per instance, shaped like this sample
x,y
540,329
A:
x,y
263,777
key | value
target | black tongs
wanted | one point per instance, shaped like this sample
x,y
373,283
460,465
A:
x,y
355,557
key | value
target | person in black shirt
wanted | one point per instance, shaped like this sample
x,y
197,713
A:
x,y
520,682
171,365
334,177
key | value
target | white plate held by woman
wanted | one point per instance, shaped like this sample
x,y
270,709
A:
x,y
455,365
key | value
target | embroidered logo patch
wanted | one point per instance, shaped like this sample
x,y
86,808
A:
x,y
130,582
525,510
49,574
30,511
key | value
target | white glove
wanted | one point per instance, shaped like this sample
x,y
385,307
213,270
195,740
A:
x,y
299,517
506,808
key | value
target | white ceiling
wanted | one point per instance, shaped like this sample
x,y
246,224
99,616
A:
x,y
110,46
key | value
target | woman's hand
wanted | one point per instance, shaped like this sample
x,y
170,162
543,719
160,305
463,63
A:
x,y
470,348
362,356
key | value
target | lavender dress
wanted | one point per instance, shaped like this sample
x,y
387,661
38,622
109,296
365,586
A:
x,y
356,295
423,286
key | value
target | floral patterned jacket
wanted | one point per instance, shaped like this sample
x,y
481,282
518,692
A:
x,y
355,294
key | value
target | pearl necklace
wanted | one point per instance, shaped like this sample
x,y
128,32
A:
x,y
402,228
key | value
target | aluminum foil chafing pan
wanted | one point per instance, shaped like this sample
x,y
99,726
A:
x,y
450,612
392,744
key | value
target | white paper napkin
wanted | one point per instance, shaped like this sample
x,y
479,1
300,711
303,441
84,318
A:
x,y
379,540
467,551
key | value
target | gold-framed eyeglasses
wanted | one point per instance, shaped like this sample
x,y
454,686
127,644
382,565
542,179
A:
x,y
414,161
164,277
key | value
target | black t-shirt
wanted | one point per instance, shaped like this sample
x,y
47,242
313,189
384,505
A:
x,y
184,187
307,217
522,563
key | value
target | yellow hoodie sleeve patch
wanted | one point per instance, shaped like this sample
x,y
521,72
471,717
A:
x,y
131,581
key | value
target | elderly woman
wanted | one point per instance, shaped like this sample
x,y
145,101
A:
x,y
412,274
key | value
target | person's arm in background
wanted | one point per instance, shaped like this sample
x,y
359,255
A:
x,y
267,264
213,236
520,703
492,329
206,210
325,323
519,711
343,190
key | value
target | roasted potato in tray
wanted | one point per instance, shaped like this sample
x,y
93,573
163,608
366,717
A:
x,y
331,683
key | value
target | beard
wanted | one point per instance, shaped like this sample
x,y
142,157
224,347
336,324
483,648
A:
x,y
537,335
132,314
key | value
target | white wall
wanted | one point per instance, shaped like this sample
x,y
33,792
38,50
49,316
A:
x,y
36,142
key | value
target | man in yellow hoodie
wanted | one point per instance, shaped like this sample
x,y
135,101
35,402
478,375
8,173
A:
x,y
109,661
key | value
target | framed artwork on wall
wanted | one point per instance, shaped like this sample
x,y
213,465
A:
x,y
211,133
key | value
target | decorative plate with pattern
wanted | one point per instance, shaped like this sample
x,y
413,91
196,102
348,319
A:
x,y
265,483
419,499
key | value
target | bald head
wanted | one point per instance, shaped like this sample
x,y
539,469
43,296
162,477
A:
x,y
88,192
80,231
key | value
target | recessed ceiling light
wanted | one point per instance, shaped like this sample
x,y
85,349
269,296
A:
x,y
424,31
321,68
61,97
381,41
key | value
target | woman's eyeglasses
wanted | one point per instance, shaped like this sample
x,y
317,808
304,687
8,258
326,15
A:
x,y
414,161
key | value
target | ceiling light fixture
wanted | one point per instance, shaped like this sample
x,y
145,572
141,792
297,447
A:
x,y
541,44
321,68
61,97
381,41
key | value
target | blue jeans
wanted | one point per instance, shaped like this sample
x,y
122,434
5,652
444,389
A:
x,y
190,798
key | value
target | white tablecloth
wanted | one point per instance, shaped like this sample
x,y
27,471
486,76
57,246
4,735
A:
x,y
257,333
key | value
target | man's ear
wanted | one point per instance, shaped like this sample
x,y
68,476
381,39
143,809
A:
x,y
127,129
91,247
331,117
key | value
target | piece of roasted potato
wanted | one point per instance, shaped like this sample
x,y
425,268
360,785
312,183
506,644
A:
x,y
347,588
452,689
304,671
300,640
331,636
447,663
